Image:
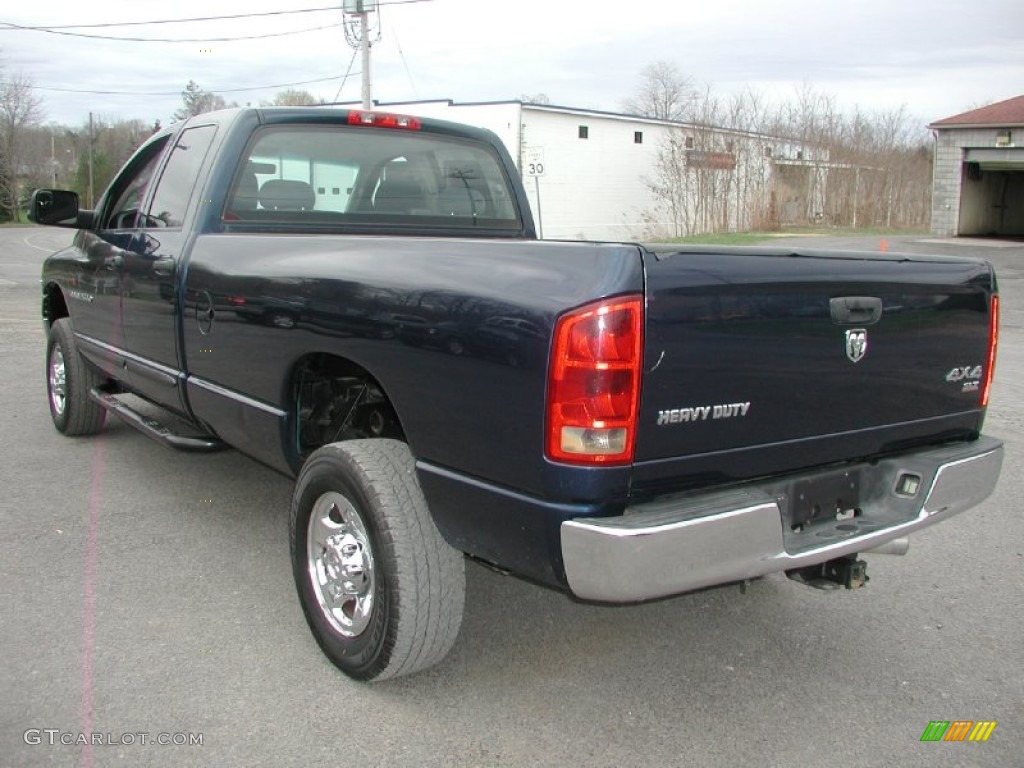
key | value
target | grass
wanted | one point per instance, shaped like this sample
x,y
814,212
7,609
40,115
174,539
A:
x,y
850,231
753,238
725,238
22,222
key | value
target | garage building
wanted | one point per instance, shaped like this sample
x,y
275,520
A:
x,y
978,184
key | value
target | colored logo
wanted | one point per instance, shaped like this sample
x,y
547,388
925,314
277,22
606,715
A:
x,y
958,730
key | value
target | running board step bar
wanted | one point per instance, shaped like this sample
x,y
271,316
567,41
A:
x,y
153,428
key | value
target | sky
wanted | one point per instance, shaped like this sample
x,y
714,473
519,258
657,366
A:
x,y
935,58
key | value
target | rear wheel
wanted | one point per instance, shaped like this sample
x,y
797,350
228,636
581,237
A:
x,y
382,592
68,381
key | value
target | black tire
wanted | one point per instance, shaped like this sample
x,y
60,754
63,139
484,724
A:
x,y
68,381
360,526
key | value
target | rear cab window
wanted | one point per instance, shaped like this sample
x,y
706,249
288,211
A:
x,y
313,177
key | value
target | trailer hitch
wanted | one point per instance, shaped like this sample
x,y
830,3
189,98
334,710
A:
x,y
845,571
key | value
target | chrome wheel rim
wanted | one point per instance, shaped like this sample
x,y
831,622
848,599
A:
x,y
340,564
58,381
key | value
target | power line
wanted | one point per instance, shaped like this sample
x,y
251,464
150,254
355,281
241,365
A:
x,y
51,27
178,92
54,27
347,73
65,33
405,63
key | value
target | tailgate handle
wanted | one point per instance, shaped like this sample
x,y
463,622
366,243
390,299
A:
x,y
856,310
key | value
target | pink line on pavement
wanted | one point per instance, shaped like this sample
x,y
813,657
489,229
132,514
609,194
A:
x,y
89,597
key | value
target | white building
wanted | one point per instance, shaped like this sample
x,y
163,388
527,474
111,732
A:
x,y
589,174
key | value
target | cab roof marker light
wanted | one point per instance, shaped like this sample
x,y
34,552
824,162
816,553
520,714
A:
x,y
384,120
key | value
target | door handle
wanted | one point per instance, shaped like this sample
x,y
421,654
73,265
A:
x,y
164,266
856,310
113,262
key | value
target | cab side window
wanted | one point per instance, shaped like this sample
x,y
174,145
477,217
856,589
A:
x,y
128,189
178,180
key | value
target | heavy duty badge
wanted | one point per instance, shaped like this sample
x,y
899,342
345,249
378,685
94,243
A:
x,y
856,344
703,413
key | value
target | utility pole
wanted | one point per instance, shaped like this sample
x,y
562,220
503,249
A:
x,y
53,157
364,34
361,34
90,162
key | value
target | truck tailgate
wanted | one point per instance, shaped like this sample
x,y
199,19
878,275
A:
x,y
769,347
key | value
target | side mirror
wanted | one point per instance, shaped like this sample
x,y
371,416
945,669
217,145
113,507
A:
x,y
58,207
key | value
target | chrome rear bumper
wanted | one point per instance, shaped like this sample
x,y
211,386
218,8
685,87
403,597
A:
x,y
680,544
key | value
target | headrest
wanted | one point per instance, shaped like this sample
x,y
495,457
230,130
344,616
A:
x,y
282,195
247,193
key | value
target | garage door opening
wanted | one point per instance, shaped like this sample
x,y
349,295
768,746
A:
x,y
992,193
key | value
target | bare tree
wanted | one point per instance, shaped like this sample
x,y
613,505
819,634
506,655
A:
x,y
746,112
875,167
664,93
733,164
40,150
20,109
709,176
292,97
671,185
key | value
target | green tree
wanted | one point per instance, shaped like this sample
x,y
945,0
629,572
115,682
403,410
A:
x,y
196,101
111,143
103,170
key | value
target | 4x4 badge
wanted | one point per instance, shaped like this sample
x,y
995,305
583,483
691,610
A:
x,y
856,344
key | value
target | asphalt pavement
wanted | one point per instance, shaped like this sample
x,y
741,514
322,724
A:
x,y
146,595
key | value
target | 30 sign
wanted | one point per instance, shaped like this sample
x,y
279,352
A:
x,y
533,161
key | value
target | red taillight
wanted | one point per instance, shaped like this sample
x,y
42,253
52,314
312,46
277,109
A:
x,y
594,383
383,120
993,342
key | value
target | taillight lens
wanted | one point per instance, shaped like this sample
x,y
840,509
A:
x,y
594,383
383,120
993,342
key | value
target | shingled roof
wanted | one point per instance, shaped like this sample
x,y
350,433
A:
x,y
1002,113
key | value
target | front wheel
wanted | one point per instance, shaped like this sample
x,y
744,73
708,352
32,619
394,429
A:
x,y
68,381
382,591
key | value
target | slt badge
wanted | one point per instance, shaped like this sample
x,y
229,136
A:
x,y
856,344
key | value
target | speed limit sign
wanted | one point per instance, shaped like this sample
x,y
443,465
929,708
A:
x,y
533,161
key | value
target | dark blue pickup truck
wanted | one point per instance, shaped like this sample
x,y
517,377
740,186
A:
x,y
359,299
